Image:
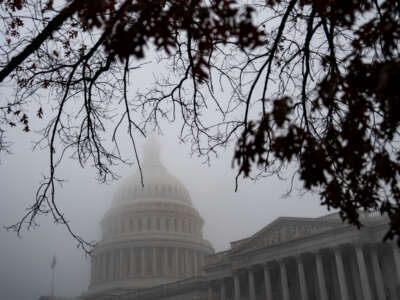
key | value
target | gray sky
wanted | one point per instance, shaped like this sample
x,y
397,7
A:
x,y
25,272
25,262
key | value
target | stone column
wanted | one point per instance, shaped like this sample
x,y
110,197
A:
x,y
396,257
195,264
210,292
365,287
344,291
189,265
92,270
132,263
143,262
103,267
111,266
380,288
236,283
222,290
177,268
252,286
154,261
122,264
302,278
321,276
166,271
267,282
201,263
97,268
284,280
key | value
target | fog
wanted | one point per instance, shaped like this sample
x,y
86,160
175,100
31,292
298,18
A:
x,y
25,271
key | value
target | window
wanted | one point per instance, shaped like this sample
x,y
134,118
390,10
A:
x,y
158,224
148,223
140,225
122,226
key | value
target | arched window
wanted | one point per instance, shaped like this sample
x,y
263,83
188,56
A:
x,y
176,224
167,224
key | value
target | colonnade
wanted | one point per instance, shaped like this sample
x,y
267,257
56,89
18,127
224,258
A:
x,y
351,271
147,261
129,225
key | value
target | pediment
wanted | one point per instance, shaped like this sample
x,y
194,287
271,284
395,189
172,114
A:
x,y
283,230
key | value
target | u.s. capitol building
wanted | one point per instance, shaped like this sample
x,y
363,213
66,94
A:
x,y
152,247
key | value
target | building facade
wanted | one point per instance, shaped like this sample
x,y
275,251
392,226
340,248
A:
x,y
152,248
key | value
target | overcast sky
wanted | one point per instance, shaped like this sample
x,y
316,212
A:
x,y
25,262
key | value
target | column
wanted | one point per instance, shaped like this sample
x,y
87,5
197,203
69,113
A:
x,y
111,266
132,263
121,264
143,262
380,288
365,287
92,269
177,269
396,257
103,267
187,268
252,287
195,264
302,278
284,280
222,290
321,277
344,291
166,262
201,263
267,282
97,269
210,292
154,261
236,282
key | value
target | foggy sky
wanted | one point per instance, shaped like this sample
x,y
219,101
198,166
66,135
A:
x,y
25,262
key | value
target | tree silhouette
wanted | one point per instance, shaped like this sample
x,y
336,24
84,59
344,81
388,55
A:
x,y
304,82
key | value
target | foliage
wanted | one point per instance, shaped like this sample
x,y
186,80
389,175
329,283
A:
x,y
314,83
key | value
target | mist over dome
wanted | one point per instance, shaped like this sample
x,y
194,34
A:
x,y
151,235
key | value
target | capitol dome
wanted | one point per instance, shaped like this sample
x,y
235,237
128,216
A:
x,y
152,234
158,186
